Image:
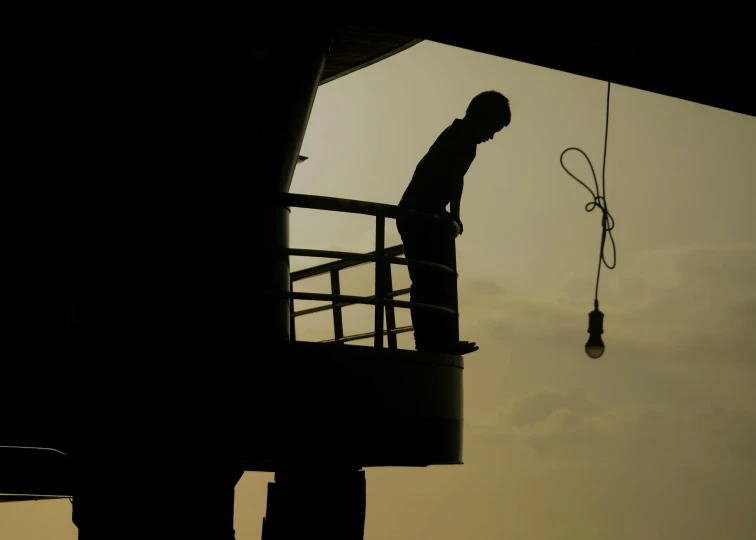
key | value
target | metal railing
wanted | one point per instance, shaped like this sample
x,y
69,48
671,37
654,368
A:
x,y
384,298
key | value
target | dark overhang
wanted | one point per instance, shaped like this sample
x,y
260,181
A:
x,y
357,47
689,61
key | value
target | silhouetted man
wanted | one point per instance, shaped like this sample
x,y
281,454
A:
x,y
438,182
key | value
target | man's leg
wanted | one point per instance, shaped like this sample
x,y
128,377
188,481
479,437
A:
x,y
441,251
434,331
429,286
421,289
447,251
443,332
450,323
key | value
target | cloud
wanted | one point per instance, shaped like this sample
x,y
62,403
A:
x,y
723,431
744,448
732,268
477,289
688,304
540,406
575,442
571,424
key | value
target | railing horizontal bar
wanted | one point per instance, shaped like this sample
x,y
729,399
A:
x,y
318,309
403,304
367,335
350,206
358,300
415,262
400,330
326,297
361,257
344,255
340,265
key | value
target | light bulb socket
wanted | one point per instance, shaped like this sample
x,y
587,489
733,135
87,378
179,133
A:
x,y
594,348
595,322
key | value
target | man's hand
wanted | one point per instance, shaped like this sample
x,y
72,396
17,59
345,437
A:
x,y
455,221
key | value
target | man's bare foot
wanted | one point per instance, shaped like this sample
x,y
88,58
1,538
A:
x,y
465,347
460,348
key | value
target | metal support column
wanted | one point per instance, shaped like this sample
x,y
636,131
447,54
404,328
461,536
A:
x,y
273,124
313,502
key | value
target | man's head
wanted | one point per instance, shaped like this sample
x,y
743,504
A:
x,y
487,114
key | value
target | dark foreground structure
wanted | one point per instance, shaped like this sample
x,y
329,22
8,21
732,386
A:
x,y
152,357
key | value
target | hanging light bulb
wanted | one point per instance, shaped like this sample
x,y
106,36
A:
x,y
594,347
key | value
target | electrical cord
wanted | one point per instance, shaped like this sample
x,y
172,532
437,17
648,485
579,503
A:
x,y
599,201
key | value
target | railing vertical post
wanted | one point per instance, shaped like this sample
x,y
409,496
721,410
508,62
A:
x,y
338,327
390,315
292,326
380,290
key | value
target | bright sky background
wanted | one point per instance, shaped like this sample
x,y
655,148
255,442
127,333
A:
x,y
657,439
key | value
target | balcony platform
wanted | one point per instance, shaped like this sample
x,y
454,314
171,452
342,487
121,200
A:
x,y
311,404
368,406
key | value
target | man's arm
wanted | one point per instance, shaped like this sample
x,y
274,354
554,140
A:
x,y
455,202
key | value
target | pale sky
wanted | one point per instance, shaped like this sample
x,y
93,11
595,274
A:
x,y
657,439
